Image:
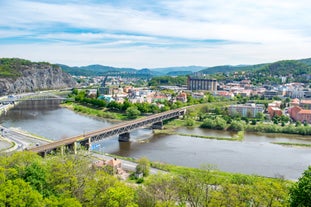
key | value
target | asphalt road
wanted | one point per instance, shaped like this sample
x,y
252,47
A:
x,y
21,139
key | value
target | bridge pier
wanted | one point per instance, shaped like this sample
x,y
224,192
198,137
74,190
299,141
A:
x,y
125,137
87,144
42,154
157,125
72,147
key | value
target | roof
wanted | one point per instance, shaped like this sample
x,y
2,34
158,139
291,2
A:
x,y
305,101
303,111
113,162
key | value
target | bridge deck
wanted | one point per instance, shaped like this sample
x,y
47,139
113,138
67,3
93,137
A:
x,y
120,128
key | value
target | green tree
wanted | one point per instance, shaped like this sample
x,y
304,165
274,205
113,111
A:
x,y
118,195
19,193
143,166
161,188
132,112
35,175
236,126
300,192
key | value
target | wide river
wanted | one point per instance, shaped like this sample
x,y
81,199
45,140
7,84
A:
x,y
255,155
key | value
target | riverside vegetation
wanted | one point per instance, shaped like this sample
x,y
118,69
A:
x,y
26,179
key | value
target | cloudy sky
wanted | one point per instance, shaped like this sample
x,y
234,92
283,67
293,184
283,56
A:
x,y
155,33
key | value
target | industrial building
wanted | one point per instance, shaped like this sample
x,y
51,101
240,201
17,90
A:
x,y
197,83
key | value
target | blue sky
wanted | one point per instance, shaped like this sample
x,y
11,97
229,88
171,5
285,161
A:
x,y
155,33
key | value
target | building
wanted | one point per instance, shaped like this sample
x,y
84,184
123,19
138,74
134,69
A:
x,y
299,114
274,111
305,104
182,97
196,83
246,110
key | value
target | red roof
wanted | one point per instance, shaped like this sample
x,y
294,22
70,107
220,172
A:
x,y
303,111
305,101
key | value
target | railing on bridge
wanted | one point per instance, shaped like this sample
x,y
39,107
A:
x,y
121,129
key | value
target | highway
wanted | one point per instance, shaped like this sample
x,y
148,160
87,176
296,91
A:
x,y
21,139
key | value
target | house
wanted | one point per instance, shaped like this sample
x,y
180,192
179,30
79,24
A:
x,y
225,94
274,111
182,97
294,102
115,164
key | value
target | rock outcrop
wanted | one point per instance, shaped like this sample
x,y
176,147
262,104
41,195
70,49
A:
x,y
34,77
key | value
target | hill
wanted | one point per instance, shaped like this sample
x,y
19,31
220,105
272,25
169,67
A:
x,y
176,70
18,76
230,68
100,70
293,70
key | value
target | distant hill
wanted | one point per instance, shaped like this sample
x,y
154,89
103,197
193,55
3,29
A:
x,y
293,70
165,71
230,68
281,68
306,61
100,70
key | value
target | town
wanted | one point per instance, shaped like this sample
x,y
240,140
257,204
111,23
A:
x,y
288,99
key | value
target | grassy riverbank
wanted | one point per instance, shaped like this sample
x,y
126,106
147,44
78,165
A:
x,y
97,112
293,144
238,137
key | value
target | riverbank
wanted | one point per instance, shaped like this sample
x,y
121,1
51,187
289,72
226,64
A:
x,y
93,111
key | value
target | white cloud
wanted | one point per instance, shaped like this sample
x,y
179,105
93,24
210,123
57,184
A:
x,y
180,33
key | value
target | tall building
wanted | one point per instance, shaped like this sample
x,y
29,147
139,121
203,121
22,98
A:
x,y
196,83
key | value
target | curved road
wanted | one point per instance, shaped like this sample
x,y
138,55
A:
x,y
21,139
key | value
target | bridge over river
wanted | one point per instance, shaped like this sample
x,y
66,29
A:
x,y
38,96
122,129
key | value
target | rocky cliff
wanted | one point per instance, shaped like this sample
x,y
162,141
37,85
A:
x,y
19,76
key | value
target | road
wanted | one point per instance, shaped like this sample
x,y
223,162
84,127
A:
x,y
126,165
21,139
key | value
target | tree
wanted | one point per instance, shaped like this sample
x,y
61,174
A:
x,y
143,166
236,126
132,112
161,188
260,116
300,192
19,193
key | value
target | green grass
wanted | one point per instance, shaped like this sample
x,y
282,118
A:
x,y
292,144
94,112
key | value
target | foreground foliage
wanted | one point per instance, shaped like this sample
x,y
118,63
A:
x,y
301,191
29,180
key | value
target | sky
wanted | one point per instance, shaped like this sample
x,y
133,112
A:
x,y
155,33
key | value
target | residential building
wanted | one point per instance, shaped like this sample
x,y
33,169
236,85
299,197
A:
x,y
274,111
246,110
299,114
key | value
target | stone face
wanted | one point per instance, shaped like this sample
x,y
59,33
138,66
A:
x,y
37,77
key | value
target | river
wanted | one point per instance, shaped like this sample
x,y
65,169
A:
x,y
255,155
